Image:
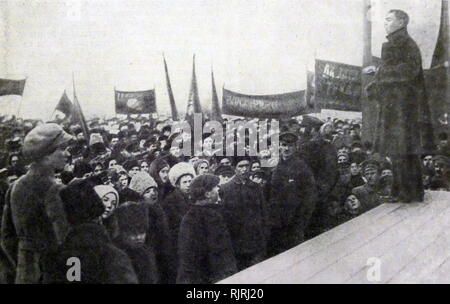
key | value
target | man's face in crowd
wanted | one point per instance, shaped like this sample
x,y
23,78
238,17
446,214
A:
x,y
133,171
372,176
344,150
123,181
443,143
163,143
287,149
98,169
152,147
80,136
256,178
114,141
342,159
428,161
184,183
164,174
242,167
352,204
58,179
58,159
151,195
202,168
14,160
386,172
224,178
175,151
439,168
213,195
355,169
392,23
112,163
225,162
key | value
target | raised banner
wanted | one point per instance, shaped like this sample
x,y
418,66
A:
x,y
11,87
264,106
137,102
338,86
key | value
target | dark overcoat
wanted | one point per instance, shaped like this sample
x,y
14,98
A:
x,y
403,121
204,247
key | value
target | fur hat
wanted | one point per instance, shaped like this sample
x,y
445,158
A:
x,y
43,140
95,138
224,170
179,170
132,218
202,184
81,202
156,166
129,164
142,181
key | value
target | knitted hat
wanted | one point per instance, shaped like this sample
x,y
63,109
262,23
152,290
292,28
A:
x,y
102,190
179,170
202,184
81,202
132,218
141,182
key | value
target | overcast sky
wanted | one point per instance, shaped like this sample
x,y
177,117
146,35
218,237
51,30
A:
x,y
254,46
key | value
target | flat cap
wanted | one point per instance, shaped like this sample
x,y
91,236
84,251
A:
x,y
288,137
43,140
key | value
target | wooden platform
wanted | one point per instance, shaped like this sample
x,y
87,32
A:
x,y
410,241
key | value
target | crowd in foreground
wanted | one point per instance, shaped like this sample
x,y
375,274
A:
x,y
132,208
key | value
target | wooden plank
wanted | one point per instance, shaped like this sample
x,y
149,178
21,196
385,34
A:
x,y
355,262
408,241
278,263
299,272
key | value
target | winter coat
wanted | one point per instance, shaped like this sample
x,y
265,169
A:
x,y
33,222
160,240
293,194
143,259
100,261
321,157
368,197
246,215
403,124
175,206
204,247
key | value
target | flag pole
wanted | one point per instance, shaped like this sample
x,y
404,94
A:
x,y
21,99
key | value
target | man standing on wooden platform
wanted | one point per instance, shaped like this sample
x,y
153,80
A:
x,y
403,124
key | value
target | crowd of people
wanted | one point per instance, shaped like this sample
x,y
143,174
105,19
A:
x,y
132,208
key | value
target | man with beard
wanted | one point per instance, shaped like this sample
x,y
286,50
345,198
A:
x,y
33,225
403,126
245,212
293,197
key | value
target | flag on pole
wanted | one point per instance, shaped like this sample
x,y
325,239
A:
x,y
65,105
11,87
193,105
173,106
135,102
216,112
78,116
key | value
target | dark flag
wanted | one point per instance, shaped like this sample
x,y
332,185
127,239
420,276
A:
x,y
193,105
338,86
310,90
173,106
216,112
11,87
135,102
78,116
65,105
264,106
